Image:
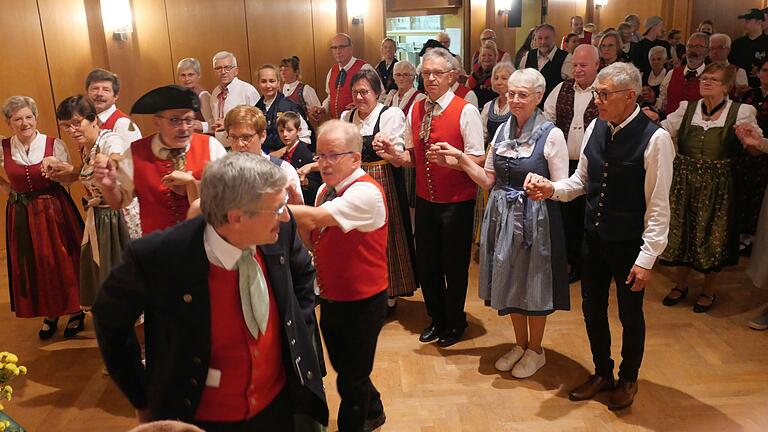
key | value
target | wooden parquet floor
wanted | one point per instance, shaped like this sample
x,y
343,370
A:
x,y
700,372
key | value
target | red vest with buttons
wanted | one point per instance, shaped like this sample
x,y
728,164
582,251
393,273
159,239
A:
x,y
462,91
351,266
435,183
341,96
252,372
159,206
681,89
113,118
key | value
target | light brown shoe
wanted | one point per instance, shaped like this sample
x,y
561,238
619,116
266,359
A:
x,y
592,386
623,395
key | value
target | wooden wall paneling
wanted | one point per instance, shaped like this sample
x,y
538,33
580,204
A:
x,y
559,13
724,17
24,72
614,13
324,27
144,60
531,18
191,26
481,16
374,28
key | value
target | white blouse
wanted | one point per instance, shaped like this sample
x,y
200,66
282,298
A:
x,y
36,151
487,110
746,114
392,123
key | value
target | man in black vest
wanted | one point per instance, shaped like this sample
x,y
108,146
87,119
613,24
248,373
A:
x,y
552,62
571,107
625,170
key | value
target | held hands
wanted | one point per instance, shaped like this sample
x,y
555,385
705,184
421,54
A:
x,y
538,187
316,113
651,114
385,148
177,181
434,155
640,277
55,169
749,137
447,151
105,171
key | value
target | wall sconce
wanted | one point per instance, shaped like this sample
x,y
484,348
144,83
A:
x,y
357,9
503,6
117,18
601,3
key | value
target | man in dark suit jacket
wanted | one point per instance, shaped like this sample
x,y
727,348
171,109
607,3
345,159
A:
x,y
228,300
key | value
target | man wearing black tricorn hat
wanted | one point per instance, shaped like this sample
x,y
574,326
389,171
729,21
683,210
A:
x,y
162,169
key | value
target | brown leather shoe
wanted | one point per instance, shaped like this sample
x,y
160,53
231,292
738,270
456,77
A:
x,y
592,386
623,395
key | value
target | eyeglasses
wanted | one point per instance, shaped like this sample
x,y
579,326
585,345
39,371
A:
x,y
226,68
709,79
362,93
176,121
603,94
279,212
523,96
338,47
331,158
436,74
245,139
403,75
689,46
72,124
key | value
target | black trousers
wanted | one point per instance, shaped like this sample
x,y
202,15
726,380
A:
x,y
443,248
276,417
601,262
351,330
573,223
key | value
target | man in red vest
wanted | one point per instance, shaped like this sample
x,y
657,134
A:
x,y
103,89
445,194
682,82
348,234
162,169
229,311
337,81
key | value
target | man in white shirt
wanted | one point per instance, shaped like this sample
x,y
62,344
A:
x,y
719,49
572,107
103,89
230,92
555,64
337,81
625,171
445,194
682,82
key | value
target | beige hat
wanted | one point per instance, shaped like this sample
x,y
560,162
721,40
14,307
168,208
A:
x,y
651,22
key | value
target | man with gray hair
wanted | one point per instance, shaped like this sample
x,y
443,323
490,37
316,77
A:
x,y
228,303
682,82
348,234
625,170
719,49
571,107
555,64
229,93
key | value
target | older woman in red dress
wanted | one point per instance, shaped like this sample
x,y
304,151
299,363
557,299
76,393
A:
x,y
43,228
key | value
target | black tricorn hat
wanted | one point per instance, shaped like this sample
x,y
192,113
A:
x,y
166,98
430,43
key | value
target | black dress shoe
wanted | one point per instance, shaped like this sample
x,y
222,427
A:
x,y
449,337
373,424
432,332
671,301
700,308
75,325
49,328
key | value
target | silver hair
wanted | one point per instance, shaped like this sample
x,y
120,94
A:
x,y
442,33
507,66
657,49
15,103
442,53
237,181
404,64
223,55
528,78
592,49
189,62
622,75
348,132
700,35
723,36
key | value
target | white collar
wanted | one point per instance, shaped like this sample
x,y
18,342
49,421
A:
x,y
626,121
446,98
157,145
698,70
578,88
104,115
349,65
291,86
356,174
219,251
372,117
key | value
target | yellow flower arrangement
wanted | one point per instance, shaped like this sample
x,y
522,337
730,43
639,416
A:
x,y
8,371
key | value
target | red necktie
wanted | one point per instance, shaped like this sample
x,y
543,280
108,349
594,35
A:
x,y
222,97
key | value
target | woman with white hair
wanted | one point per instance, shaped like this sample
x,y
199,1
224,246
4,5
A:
x,y
43,228
188,72
657,56
522,248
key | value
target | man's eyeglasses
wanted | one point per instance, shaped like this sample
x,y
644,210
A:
x,y
689,46
331,158
226,68
603,94
245,139
436,74
403,75
279,212
176,121
338,47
